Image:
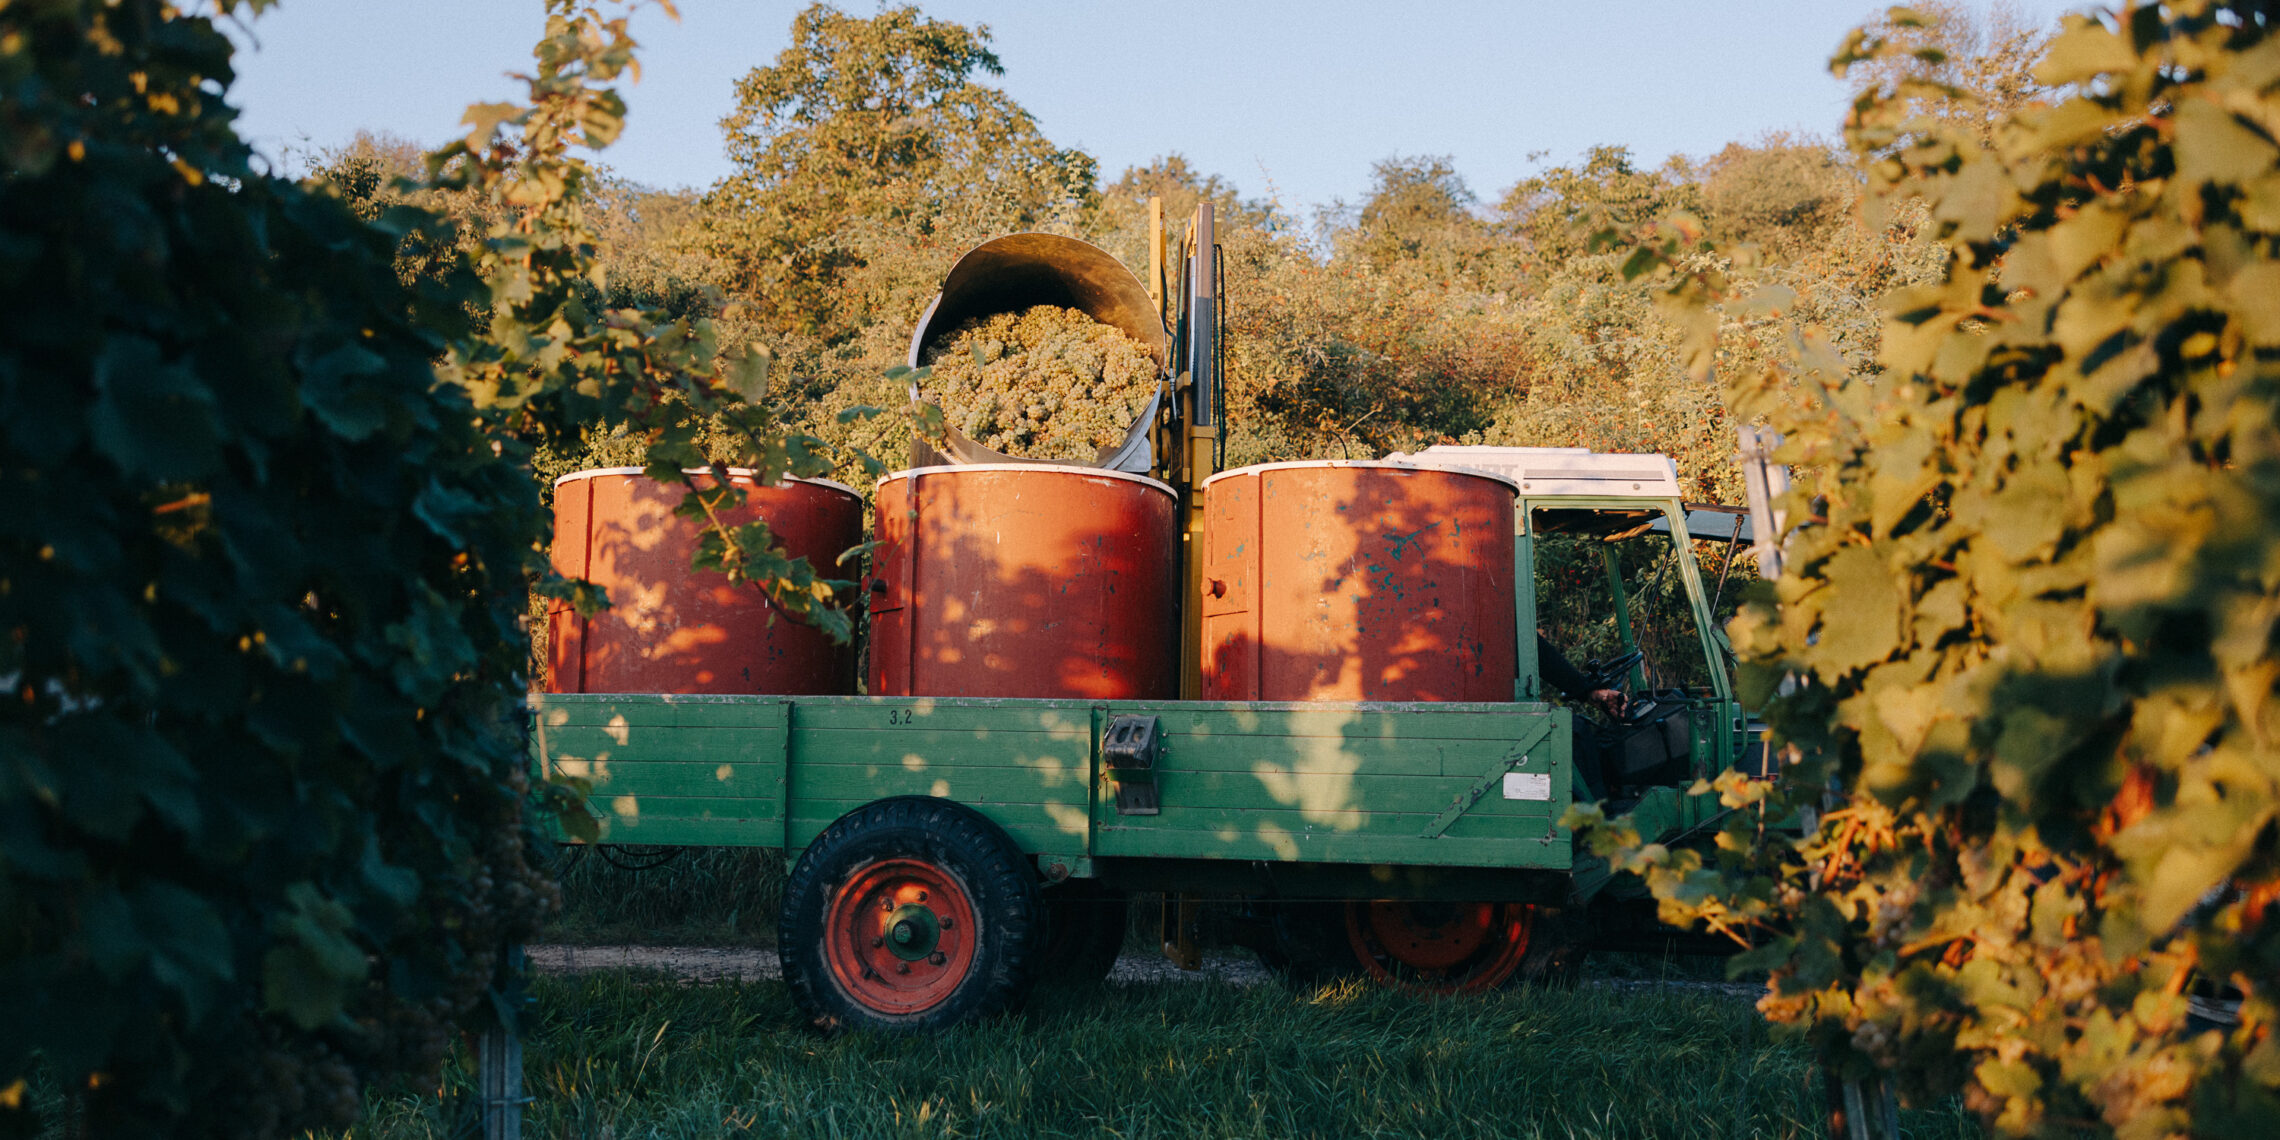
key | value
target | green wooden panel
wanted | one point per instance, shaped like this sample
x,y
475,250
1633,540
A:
x,y
1414,784
1267,841
672,745
678,780
658,709
1362,793
1012,783
1339,783
1385,723
1067,720
672,769
1034,827
1392,824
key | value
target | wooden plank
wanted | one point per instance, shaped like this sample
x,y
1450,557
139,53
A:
x,y
1270,789
687,807
604,746
1012,783
1270,843
1463,759
700,780
1515,821
1034,827
659,709
1514,757
1405,725
939,749
1062,720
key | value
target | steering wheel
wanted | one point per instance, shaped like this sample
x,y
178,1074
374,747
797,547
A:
x,y
1610,674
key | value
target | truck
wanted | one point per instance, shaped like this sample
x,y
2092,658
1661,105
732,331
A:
x,y
946,853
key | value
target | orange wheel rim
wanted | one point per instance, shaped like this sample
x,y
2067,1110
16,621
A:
x,y
1438,947
899,936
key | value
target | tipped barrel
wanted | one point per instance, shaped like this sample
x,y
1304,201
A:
x,y
1013,273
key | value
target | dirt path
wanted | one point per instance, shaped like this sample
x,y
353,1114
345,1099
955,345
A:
x,y
738,964
742,964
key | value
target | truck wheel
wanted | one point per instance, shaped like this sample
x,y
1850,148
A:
x,y
1084,924
1439,947
911,913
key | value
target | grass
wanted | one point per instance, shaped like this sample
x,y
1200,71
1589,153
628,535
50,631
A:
x,y
622,1056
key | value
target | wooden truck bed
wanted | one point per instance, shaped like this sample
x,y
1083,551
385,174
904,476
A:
x,y
1473,785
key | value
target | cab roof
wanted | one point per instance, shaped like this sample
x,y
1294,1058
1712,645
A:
x,y
1560,470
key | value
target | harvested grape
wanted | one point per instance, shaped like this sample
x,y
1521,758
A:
x,y
1044,383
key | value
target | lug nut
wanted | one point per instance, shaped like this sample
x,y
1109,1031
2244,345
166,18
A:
x,y
948,922
878,942
903,969
922,896
938,957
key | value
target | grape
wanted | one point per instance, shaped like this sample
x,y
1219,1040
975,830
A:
x,y
1044,383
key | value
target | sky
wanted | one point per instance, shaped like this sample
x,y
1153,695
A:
x,y
1293,99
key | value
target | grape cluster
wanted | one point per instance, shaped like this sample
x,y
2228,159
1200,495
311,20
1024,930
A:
x,y
281,1082
1044,383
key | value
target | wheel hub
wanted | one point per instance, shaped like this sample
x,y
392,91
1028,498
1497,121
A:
x,y
913,931
899,935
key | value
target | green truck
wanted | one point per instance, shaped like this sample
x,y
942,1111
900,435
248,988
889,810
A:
x,y
945,853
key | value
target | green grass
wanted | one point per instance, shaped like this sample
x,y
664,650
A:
x,y
623,1056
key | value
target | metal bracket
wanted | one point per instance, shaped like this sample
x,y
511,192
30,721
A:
x,y
1464,803
1128,752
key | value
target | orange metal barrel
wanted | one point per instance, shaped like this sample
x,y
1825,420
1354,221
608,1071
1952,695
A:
x,y
670,629
1357,582
1023,580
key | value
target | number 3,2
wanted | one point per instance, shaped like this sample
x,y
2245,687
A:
x,y
901,716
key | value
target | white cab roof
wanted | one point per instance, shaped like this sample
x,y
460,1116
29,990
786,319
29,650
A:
x,y
1560,470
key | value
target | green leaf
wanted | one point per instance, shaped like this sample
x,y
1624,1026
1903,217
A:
x,y
2084,51
314,966
484,119
1860,613
152,418
748,374
2215,146
333,386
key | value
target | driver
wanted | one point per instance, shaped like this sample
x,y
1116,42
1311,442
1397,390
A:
x,y
1562,674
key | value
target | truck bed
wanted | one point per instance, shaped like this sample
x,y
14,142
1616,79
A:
x,y
1440,784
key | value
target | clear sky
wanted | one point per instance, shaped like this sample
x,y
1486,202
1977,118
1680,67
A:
x,y
1299,96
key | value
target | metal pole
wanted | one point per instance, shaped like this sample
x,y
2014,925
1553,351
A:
x,y
1156,254
498,1070
1200,432
499,1061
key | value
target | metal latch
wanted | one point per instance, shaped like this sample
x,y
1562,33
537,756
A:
x,y
1128,751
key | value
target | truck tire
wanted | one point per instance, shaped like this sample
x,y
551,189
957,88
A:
x,y
1440,947
909,914
1084,924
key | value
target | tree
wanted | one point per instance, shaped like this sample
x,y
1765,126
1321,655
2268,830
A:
x,y
1421,212
260,578
1788,197
1970,66
2023,653
866,128
262,777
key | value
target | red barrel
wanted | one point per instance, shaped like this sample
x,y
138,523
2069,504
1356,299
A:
x,y
670,629
1023,580
1344,581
